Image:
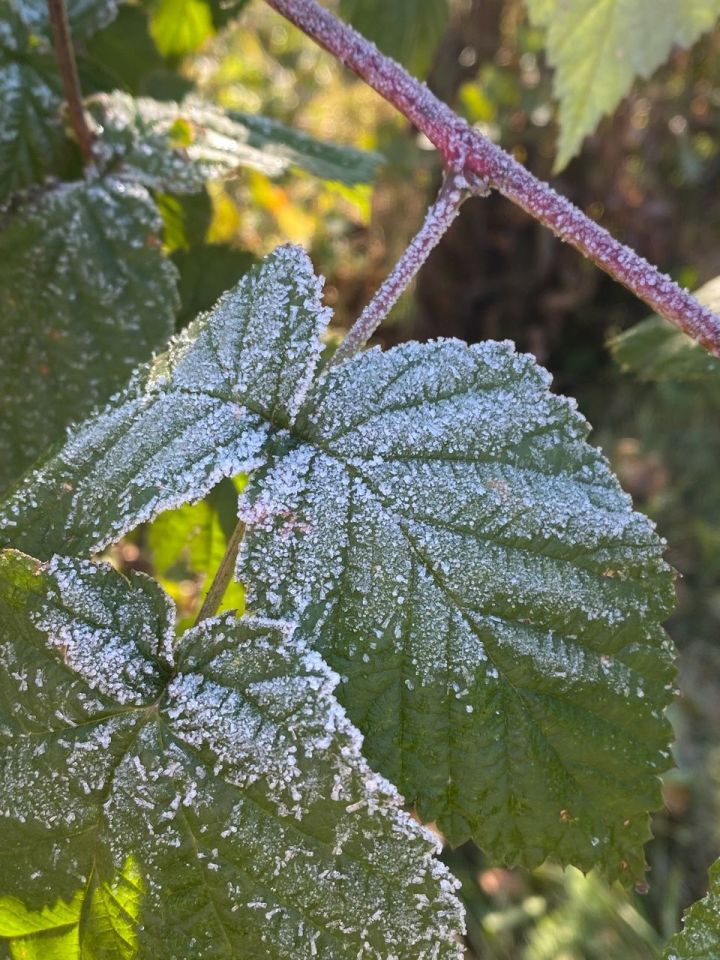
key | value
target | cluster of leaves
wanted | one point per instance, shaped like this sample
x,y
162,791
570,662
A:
x,y
434,519
446,587
86,289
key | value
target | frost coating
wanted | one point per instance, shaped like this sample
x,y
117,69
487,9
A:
x,y
30,90
178,147
459,553
199,412
226,769
700,937
86,296
452,545
31,133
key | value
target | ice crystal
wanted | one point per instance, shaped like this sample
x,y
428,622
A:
x,y
224,768
700,937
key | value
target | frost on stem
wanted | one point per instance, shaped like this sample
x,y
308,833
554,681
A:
x,y
456,188
454,137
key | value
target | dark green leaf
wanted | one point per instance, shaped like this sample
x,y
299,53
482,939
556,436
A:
x,y
201,411
176,149
85,294
700,936
408,30
469,564
223,767
31,133
451,543
205,273
657,350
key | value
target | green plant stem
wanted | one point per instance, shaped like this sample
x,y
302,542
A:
x,y
455,189
223,576
67,64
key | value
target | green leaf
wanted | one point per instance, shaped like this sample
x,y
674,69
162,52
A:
x,y
223,766
179,27
700,936
31,134
408,30
31,137
103,919
177,148
656,350
469,564
206,271
451,543
201,411
599,47
85,294
85,16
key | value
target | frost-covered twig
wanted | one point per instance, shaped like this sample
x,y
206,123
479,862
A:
x,y
223,575
455,189
460,144
65,53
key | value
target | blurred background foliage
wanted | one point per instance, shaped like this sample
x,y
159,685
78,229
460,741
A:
x,y
650,174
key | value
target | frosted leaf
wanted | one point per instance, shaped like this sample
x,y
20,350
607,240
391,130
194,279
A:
x,y
700,937
469,565
201,411
177,148
452,545
31,134
224,769
85,295
85,16
30,92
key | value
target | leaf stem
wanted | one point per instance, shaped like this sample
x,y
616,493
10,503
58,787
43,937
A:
x,y
462,146
65,53
223,576
455,189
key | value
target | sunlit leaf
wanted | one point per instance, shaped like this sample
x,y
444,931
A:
x,y
179,27
599,47
99,922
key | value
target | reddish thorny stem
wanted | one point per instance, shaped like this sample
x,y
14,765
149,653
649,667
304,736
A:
x,y
462,147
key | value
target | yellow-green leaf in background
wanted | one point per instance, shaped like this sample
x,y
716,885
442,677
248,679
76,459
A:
x,y
599,47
